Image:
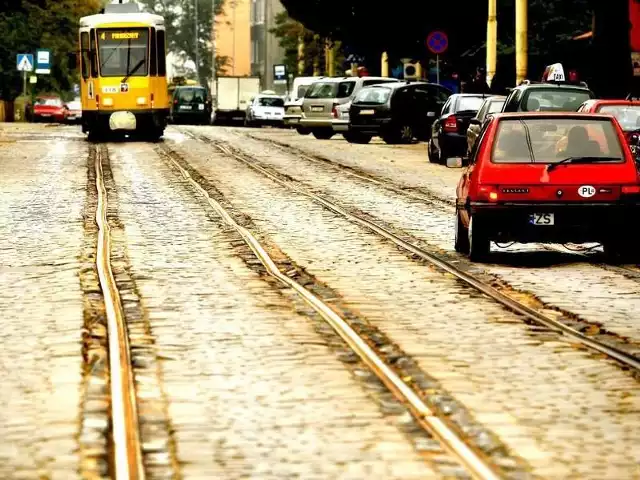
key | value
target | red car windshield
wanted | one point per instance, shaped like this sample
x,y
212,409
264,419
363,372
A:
x,y
627,115
49,102
551,140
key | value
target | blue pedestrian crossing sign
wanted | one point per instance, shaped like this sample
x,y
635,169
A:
x,y
24,62
43,61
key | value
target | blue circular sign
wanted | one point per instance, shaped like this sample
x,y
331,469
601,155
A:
x,y
437,42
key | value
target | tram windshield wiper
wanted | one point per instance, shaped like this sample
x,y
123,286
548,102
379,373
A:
x,y
568,160
132,71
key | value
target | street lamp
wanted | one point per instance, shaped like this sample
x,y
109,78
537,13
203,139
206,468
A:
x,y
521,41
492,40
195,5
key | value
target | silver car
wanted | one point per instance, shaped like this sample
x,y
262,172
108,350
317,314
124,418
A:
x,y
323,107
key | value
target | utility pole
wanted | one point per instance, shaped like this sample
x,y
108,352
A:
x,y
213,47
316,59
195,35
521,41
301,55
384,65
492,40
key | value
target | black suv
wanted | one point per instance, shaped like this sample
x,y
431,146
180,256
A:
x,y
547,97
397,112
191,104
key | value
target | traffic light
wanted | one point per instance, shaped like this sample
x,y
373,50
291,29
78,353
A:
x,y
410,70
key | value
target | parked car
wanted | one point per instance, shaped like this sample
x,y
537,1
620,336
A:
x,y
523,184
627,112
490,106
73,112
553,94
449,131
265,109
191,104
397,112
319,107
293,103
49,108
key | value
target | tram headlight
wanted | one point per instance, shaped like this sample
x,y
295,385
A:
x,y
107,102
141,101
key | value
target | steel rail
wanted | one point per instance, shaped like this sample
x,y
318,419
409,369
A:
x,y
476,465
127,451
515,306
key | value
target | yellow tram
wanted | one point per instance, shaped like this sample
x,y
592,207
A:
x,y
123,81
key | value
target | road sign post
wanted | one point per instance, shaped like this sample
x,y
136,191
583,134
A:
x,y
437,42
24,64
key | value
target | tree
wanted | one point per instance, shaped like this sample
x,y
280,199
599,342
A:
x,y
180,16
288,31
32,24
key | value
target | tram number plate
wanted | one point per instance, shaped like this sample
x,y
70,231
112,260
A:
x,y
542,219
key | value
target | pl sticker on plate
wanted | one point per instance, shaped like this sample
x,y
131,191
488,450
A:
x,y
586,191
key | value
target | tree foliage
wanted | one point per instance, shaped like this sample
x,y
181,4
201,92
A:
x,y
180,19
402,31
27,25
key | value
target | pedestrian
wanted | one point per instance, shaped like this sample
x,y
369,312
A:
x,y
479,83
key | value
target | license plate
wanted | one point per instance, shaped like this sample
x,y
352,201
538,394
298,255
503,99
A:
x,y
185,107
367,112
317,109
542,219
46,114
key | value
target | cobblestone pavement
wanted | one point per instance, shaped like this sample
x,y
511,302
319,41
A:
x,y
41,234
253,391
569,414
594,294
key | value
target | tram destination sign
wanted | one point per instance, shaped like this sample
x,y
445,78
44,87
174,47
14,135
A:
x,y
119,35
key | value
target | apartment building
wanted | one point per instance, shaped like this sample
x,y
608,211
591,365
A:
x,y
233,37
265,48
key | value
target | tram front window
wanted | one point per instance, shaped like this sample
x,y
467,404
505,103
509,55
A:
x,y
124,53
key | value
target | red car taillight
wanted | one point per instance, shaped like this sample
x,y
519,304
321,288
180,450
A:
x,y
488,193
631,189
334,112
451,124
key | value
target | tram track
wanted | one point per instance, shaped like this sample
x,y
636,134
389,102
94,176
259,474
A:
x,y
475,462
125,433
625,359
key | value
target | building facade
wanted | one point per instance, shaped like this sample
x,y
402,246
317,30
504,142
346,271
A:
x,y
265,48
232,35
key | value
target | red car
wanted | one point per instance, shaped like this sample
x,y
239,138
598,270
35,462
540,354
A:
x,y
48,109
548,177
627,112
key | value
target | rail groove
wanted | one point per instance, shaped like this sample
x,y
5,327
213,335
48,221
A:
x,y
127,451
623,358
474,462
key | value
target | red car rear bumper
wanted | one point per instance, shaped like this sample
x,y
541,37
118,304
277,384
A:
x,y
572,222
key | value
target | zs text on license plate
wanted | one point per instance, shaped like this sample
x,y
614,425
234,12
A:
x,y
542,219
